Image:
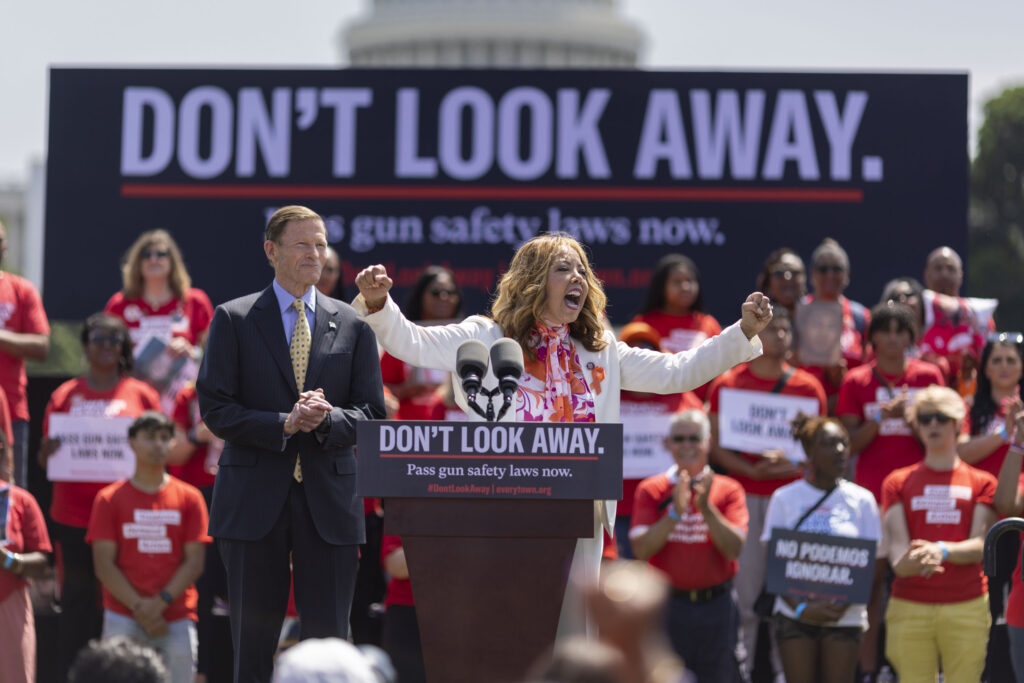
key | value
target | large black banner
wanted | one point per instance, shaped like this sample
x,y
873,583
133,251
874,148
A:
x,y
460,167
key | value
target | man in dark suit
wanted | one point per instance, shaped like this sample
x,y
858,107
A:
x,y
285,393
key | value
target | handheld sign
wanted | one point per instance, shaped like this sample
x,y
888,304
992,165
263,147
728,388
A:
x,y
91,449
755,421
819,566
819,332
644,425
489,460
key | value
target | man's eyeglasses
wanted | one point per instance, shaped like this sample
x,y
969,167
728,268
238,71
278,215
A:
x,y
927,418
825,270
684,438
147,254
1007,338
443,293
106,340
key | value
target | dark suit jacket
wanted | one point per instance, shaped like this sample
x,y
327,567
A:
x,y
247,388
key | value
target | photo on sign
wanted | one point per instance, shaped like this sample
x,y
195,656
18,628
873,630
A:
x,y
819,332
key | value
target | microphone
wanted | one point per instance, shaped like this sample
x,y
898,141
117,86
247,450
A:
x,y
507,363
471,366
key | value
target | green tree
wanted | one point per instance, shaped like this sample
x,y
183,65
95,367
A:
x,y
997,208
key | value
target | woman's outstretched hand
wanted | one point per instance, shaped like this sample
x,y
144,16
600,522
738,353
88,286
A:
x,y
373,283
756,313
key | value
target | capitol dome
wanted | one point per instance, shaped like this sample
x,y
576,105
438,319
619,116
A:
x,y
496,34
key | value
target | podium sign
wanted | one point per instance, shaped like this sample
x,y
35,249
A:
x,y
490,460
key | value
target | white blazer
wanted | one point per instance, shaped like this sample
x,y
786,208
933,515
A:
x,y
624,367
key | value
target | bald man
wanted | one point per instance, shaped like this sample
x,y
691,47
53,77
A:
x,y
944,272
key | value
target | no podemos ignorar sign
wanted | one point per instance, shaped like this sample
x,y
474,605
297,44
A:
x,y
819,566
489,460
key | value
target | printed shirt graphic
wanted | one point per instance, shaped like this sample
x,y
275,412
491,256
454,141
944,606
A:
x,y
72,501
151,530
939,506
176,318
689,558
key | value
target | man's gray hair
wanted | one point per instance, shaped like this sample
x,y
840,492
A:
x,y
693,416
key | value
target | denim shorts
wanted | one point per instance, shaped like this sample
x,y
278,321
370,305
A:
x,y
786,629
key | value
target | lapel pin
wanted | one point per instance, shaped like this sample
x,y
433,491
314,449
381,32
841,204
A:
x,y
332,326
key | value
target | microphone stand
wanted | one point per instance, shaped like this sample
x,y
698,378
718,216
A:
x,y
490,394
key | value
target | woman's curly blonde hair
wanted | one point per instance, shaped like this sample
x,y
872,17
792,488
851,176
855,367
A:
x,y
522,293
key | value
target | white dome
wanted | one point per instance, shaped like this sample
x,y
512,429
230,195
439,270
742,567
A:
x,y
493,34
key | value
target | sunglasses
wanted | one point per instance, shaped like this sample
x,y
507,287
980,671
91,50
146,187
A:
x,y
1007,338
146,254
104,340
684,438
788,274
926,419
825,270
443,293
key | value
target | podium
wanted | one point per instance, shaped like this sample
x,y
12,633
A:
x,y
488,559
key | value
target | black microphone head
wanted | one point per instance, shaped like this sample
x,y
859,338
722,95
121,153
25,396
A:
x,y
507,359
471,364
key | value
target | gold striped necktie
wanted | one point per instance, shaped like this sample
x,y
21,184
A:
x,y
299,351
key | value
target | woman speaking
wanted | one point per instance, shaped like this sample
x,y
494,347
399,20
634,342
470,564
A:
x,y
550,302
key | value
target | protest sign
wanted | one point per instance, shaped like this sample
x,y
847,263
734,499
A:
x,y
819,566
756,421
91,448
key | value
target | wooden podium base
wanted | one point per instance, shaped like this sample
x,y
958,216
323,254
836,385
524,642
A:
x,y
488,578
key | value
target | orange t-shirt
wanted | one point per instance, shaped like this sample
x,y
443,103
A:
x,y
939,506
150,530
72,500
800,383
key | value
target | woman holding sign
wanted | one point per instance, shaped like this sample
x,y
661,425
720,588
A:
x,y
551,303
819,640
105,391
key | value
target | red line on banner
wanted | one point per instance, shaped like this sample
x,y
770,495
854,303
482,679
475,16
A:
x,y
490,457
448,192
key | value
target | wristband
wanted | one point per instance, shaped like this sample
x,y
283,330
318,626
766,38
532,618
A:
x,y
370,310
9,560
166,597
1002,432
877,416
945,550
191,436
799,611
673,514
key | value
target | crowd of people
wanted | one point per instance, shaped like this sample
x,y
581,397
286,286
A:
x,y
905,428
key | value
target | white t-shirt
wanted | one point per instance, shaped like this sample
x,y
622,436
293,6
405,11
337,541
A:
x,y
850,511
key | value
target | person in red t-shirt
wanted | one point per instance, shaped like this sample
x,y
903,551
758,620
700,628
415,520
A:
x,y
633,405
997,395
434,297
691,524
830,275
148,535
6,457
104,391
674,307
762,473
872,406
24,545
161,308
1009,502
24,334
937,513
